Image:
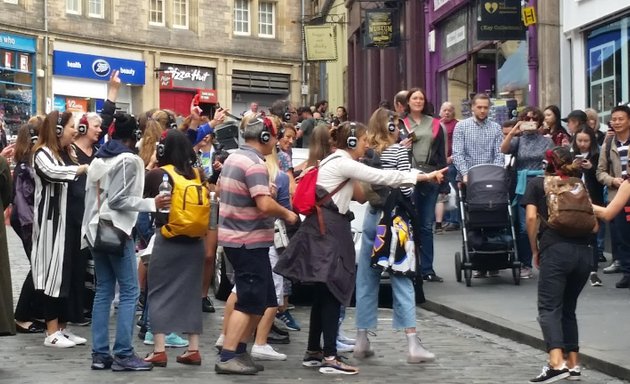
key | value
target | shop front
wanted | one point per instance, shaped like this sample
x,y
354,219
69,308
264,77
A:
x,y
260,87
17,79
180,83
462,64
80,81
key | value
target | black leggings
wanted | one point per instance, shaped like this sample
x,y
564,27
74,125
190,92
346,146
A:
x,y
29,303
324,319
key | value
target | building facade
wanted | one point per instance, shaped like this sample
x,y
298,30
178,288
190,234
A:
x,y
595,45
230,52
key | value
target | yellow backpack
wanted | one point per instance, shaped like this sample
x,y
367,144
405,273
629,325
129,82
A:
x,y
190,206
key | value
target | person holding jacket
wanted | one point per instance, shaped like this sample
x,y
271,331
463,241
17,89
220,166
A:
x,y
114,192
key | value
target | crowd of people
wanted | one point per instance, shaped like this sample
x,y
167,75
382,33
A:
x,y
148,182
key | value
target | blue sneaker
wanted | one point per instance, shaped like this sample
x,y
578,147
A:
x,y
130,363
174,341
288,320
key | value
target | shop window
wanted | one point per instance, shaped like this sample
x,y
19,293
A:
x,y
96,8
73,7
608,62
241,17
16,87
266,19
156,12
180,14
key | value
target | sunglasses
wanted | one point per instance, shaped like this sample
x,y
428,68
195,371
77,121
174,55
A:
x,y
530,118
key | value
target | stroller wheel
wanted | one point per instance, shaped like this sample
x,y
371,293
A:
x,y
458,267
468,274
516,274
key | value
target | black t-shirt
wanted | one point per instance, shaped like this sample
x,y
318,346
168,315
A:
x,y
535,195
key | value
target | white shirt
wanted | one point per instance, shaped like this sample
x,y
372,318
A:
x,y
340,166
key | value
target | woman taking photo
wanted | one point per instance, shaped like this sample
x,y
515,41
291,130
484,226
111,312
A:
x,y
322,250
528,146
382,139
586,153
51,264
427,140
564,263
176,266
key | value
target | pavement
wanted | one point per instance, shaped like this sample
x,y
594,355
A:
x,y
464,354
496,305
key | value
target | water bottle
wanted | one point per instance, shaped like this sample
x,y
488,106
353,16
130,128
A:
x,y
214,210
164,189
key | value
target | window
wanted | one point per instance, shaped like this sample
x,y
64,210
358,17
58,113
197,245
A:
x,y
11,1
266,19
73,7
96,8
156,12
180,14
241,17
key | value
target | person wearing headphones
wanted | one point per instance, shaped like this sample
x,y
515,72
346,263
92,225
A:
x,y
81,298
246,231
322,251
55,167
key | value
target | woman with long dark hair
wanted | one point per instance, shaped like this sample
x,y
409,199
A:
x,y
176,266
565,263
553,126
27,308
55,167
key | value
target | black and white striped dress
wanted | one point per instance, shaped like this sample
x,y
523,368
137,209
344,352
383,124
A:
x,y
397,157
49,224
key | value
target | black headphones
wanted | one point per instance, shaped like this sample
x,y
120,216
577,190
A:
x,y
82,128
59,127
265,134
32,133
172,124
286,116
352,140
391,126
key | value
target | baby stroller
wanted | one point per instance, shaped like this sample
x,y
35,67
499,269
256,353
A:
x,y
487,225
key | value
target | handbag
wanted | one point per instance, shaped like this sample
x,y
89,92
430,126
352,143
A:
x,y
109,239
280,237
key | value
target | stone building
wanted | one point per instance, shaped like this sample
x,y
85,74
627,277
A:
x,y
58,53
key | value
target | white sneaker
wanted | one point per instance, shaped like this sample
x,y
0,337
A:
x,y
342,338
58,340
266,352
219,343
344,348
78,340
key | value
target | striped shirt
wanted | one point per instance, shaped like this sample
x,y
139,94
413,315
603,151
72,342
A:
x,y
243,178
397,157
622,149
476,142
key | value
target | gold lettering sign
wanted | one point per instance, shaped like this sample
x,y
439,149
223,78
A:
x,y
321,43
381,29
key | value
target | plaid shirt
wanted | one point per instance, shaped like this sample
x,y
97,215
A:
x,y
476,142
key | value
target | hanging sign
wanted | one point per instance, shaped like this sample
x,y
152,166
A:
x,y
321,43
529,16
382,29
500,20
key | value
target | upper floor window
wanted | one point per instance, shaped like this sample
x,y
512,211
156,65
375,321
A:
x,y
11,1
180,13
156,12
241,17
96,8
266,19
73,7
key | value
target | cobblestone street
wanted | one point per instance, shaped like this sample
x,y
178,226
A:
x,y
464,355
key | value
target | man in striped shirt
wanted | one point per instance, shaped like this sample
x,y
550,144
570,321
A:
x,y
246,232
612,170
477,140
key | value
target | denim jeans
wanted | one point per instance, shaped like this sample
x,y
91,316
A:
x,y
426,195
368,282
111,269
452,215
564,269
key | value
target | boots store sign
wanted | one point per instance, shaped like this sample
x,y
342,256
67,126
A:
x,y
97,67
181,76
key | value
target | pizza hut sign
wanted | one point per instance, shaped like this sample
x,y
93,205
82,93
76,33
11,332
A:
x,y
190,77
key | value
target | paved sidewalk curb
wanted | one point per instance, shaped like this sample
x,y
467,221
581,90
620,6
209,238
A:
x,y
507,329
